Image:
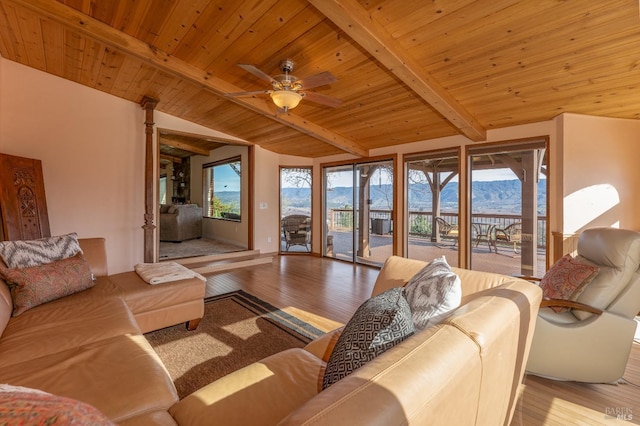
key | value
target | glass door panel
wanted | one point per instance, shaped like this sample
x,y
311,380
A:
x,y
508,209
433,205
374,212
295,209
358,208
338,211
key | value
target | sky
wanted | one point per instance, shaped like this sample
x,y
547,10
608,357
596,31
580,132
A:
x,y
226,179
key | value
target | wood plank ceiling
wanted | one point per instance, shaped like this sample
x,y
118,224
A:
x,y
408,70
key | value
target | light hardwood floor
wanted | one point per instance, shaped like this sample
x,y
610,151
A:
x,y
326,292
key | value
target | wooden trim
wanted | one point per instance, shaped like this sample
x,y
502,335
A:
x,y
354,20
570,304
228,141
251,159
149,104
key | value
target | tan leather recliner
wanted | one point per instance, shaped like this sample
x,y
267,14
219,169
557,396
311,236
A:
x,y
590,347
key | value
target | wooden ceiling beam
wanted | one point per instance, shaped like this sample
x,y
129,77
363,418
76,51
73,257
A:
x,y
171,158
355,21
185,146
159,59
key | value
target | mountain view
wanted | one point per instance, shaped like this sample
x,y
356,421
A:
x,y
501,196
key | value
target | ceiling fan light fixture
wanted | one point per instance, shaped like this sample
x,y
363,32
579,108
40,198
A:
x,y
286,99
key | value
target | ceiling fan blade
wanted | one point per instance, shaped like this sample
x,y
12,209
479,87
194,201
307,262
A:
x,y
318,80
255,92
322,99
257,72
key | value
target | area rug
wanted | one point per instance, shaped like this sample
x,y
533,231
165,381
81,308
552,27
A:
x,y
195,247
237,330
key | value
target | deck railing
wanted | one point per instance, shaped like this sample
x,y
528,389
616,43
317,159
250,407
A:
x,y
420,222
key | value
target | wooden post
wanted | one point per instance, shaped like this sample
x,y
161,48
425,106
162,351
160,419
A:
x,y
148,104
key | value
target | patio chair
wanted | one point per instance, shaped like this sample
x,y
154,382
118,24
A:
x,y
510,234
447,230
592,341
296,231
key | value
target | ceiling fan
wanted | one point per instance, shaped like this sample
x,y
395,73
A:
x,y
288,90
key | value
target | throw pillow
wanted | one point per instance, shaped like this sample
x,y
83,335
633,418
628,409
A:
x,y
432,293
25,254
566,279
378,324
25,406
34,286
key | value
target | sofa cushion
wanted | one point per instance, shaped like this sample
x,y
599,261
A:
x,y
36,285
432,293
66,323
566,279
378,324
262,393
121,376
24,254
20,405
157,306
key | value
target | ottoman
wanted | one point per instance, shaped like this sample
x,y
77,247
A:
x,y
162,305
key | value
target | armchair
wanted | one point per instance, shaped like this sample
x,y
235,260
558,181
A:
x,y
296,231
510,234
592,341
447,230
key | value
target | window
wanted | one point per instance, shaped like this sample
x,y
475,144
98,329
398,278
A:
x,y
221,186
432,205
295,209
508,207
358,211
163,190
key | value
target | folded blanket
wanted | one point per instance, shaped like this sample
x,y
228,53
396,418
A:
x,y
163,272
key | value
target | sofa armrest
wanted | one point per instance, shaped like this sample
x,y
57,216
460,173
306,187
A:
x,y
95,252
570,304
323,345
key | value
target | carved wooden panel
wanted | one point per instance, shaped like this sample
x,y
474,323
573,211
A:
x,y
23,203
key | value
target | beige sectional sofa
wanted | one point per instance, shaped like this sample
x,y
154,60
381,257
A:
x,y
89,346
466,370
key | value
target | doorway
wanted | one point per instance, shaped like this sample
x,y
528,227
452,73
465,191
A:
x,y
508,208
433,203
182,158
358,212
295,209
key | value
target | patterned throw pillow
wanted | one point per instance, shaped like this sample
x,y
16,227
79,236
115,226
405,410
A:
x,y
432,293
25,406
566,279
25,254
34,286
379,324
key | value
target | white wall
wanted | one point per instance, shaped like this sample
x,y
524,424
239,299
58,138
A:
x,y
266,209
601,172
92,150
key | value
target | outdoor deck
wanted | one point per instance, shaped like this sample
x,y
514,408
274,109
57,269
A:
x,y
505,261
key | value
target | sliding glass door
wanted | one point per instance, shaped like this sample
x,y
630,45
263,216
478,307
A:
x,y
295,209
432,205
358,208
508,205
